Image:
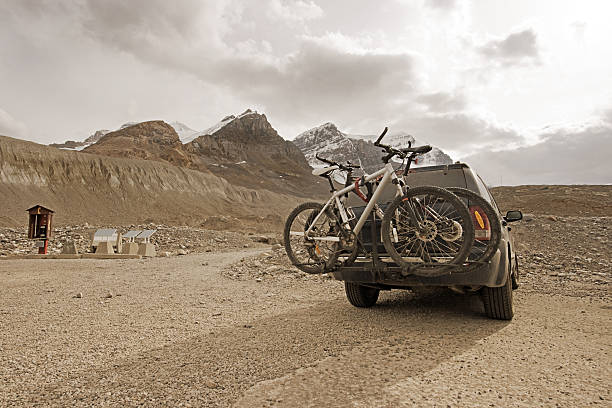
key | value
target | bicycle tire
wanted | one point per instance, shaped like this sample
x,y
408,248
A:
x,y
306,255
480,253
424,267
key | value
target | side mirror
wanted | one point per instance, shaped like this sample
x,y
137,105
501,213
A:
x,y
512,216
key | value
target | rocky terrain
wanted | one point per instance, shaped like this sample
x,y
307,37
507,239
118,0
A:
x,y
568,254
168,240
550,260
154,140
242,327
574,200
247,151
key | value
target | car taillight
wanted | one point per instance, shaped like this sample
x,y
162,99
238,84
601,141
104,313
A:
x,y
482,227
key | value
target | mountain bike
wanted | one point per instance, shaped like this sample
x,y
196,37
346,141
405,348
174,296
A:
x,y
425,230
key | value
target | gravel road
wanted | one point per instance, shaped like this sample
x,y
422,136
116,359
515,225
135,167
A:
x,y
179,331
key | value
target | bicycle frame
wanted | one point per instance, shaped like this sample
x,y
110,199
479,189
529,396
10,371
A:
x,y
388,174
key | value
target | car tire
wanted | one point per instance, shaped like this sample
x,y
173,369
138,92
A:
x,y
359,295
498,301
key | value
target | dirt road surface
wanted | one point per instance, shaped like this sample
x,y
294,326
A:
x,y
178,332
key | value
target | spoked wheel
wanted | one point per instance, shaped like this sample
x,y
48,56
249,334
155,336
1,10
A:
x,y
487,228
427,230
308,254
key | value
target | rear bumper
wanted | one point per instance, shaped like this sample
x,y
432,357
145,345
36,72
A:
x,y
387,274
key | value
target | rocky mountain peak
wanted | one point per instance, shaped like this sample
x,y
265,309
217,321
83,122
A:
x,y
329,142
242,149
73,145
96,136
152,140
154,131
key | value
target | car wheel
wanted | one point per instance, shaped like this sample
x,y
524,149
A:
x,y
498,301
359,295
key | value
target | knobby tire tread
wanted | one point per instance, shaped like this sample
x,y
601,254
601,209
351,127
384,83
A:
x,y
462,210
494,222
286,234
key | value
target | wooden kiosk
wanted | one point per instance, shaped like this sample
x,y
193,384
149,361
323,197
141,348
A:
x,y
40,226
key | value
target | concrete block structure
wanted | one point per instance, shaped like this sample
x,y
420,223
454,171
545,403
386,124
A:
x,y
105,248
146,249
119,243
130,248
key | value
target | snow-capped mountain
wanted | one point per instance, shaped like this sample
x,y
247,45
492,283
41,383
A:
x,y
243,149
72,145
188,138
185,133
329,142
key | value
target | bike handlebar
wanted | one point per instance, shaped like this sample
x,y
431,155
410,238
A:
x,y
403,153
381,136
390,150
346,167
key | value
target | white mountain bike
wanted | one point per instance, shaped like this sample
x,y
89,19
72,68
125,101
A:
x,y
425,230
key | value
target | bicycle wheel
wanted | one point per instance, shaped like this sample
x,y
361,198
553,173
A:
x,y
308,254
427,230
487,228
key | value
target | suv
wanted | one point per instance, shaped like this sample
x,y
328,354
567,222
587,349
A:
x,y
495,279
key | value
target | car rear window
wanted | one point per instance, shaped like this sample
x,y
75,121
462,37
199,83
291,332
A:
x,y
440,177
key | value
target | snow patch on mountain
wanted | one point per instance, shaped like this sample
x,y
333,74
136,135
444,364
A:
x,y
184,132
128,124
78,146
217,126
326,141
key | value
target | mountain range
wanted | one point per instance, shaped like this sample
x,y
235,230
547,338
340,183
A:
x,y
243,149
168,172
247,151
227,144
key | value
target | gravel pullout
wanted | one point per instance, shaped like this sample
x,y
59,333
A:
x,y
180,331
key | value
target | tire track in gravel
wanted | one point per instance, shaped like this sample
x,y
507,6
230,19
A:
x,y
216,369
411,349
555,353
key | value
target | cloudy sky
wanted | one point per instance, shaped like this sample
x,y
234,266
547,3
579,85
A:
x,y
522,89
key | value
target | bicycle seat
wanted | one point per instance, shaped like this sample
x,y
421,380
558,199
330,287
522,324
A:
x,y
324,171
418,150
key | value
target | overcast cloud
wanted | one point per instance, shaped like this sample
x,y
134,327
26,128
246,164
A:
x,y
580,156
468,78
516,48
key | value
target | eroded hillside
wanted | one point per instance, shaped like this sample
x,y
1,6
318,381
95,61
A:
x,y
245,150
101,189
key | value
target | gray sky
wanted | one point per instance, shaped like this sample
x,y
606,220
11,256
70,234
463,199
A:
x,y
521,89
